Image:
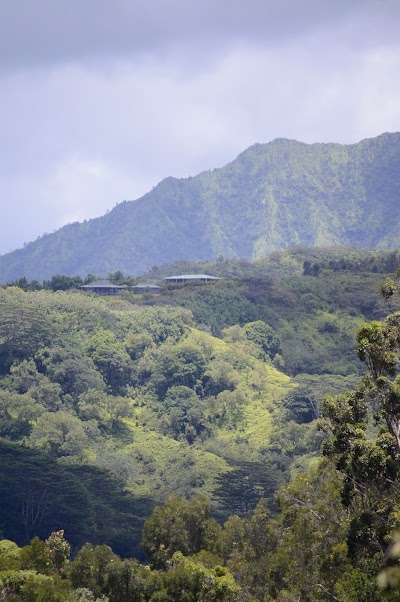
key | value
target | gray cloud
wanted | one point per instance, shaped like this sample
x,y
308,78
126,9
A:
x,y
46,31
100,100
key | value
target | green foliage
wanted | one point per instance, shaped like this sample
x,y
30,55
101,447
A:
x,y
127,580
111,359
217,306
310,554
60,282
184,414
106,411
47,557
83,594
24,327
376,347
10,558
301,406
88,569
189,580
363,429
60,434
189,413
173,365
180,525
70,368
39,496
262,335
240,489
25,378
315,319
127,397
17,412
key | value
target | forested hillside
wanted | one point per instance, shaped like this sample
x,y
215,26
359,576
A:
x,y
140,395
199,410
272,196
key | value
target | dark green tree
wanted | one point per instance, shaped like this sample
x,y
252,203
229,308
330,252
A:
x,y
59,282
111,359
240,489
264,336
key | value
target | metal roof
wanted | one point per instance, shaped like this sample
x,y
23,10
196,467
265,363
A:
x,y
193,277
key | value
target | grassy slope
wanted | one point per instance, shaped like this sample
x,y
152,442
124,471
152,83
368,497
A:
x,y
155,454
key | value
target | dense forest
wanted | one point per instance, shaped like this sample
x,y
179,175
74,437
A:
x,y
270,197
234,441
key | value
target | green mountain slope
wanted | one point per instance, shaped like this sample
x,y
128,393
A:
x,y
272,196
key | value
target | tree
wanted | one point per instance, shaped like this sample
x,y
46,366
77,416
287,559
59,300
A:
x,y
17,414
118,408
36,556
184,413
111,359
363,428
180,525
47,557
161,323
59,282
46,588
27,379
107,410
188,579
60,434
264,336
228,408
25,285
181,364
301,406
24,326
70,368
89,568
92,406
59,551
136,344
220,376
9,555
127,580
83,594
309,554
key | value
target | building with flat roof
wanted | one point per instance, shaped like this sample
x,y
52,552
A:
x,y
103,287
146,287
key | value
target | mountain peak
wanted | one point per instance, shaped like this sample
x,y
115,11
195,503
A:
x,y
273,195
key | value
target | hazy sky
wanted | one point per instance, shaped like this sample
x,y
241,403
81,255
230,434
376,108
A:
x,y
101,99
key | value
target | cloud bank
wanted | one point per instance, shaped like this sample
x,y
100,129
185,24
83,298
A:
x,y
100,100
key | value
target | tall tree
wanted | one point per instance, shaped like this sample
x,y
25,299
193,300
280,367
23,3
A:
x,y
363,428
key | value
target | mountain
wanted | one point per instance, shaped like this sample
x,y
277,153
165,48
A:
x,y
272,196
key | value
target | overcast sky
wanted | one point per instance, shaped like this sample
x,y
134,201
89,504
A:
x,y
102,99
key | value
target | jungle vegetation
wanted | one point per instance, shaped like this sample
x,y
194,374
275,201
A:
x,y
169,447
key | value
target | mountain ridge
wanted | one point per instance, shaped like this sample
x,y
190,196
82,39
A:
x,y
271,196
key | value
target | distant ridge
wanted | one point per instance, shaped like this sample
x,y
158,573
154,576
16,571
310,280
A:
x,y
272,196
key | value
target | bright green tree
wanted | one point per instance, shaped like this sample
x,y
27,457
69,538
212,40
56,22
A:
x,y
180,525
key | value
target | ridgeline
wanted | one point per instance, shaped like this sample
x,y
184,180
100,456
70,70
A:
x,y
272,196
